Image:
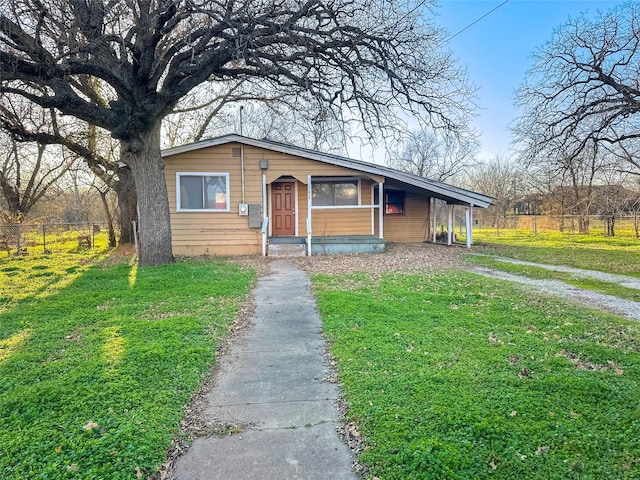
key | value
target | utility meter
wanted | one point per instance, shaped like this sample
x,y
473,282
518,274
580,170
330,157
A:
x,y
243,209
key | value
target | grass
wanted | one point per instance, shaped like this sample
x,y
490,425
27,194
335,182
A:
x,y
39,274
608,288
457,376
94,375
606,254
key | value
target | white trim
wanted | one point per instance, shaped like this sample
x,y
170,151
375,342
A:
x,y
342,207
381,210
295,207
309,208
202,174
270,209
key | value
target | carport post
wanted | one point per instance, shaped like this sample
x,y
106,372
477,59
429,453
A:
x,y
450,224
469,221
381,210
309,220
434,222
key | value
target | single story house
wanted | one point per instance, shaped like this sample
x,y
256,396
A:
x,y
235,195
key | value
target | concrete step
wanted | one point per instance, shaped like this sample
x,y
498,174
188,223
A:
x,y
287,250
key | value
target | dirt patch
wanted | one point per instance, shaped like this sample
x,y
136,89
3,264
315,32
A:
x,y
583,364
125,253
401,257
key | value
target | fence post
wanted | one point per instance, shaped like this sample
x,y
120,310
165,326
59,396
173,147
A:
x,y
44,239
19,239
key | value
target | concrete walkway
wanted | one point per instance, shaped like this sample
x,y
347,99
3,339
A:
x,y
272,383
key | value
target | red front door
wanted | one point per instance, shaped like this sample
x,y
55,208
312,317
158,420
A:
x,y
283,208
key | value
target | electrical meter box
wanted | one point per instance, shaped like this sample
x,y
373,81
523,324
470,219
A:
x,y
243,209
255,221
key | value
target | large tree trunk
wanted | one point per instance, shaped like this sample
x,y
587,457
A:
x,y
125,189
147,166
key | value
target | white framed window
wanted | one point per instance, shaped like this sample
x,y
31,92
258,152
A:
x,y
202,192
335,192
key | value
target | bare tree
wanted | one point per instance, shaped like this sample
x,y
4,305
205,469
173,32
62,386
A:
x,y
254,111
27,174
80,139
372,56
583,88
304,123
438,156
499,178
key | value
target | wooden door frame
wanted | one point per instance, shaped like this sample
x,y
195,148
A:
x,y
295,203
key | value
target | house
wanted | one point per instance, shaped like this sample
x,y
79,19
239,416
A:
x,y
235,195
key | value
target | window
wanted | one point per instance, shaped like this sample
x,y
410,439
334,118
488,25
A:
x,y
394,203
207,192
331,193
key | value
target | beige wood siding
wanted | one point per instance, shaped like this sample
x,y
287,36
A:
x,y
219,233
227,233
412,226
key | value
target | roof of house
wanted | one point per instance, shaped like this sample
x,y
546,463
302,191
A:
x,y
398,178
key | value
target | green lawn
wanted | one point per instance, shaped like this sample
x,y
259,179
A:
x,y
38,275
98,361
461,377
607,254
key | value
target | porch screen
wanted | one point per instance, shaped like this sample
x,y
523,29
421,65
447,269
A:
x,y
334,193
203,192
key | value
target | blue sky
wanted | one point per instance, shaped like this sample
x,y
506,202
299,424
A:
x,y
496,52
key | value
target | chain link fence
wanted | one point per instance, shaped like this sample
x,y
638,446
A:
x,y
20,239
623,226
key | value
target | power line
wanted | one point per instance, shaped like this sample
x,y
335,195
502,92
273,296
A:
x,y
475,21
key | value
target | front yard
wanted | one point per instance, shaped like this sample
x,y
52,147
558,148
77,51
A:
x,y
98,360
451,375
445,374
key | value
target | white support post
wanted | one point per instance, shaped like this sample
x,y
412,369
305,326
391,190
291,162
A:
x,y
265,230
264,197
470,225
450,224
373,212
309,222
380,210
432,214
